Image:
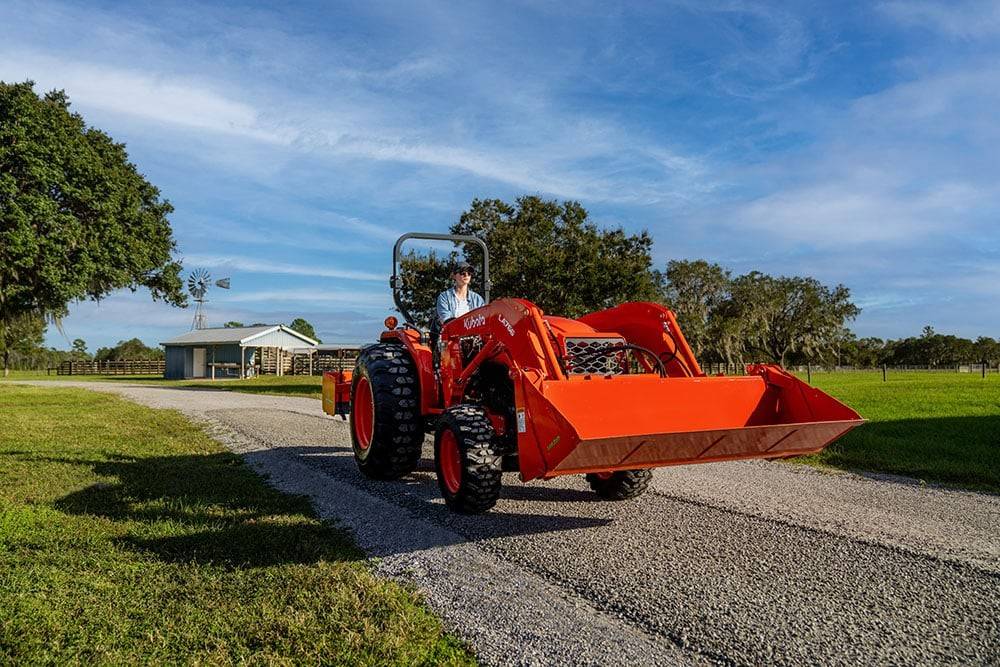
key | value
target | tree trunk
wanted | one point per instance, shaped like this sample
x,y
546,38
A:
x,y
3,346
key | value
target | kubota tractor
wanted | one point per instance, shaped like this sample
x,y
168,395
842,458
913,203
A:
x,y
609,395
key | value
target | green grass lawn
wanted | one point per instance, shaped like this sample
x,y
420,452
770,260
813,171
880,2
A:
x,y
42,375
128,536
935,426
308,386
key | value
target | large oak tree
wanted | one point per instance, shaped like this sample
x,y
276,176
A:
x,y
547,252
694,290
77,219
771,318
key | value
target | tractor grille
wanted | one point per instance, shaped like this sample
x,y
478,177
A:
x,y
585,356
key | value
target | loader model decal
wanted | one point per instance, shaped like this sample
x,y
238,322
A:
x,y
506,325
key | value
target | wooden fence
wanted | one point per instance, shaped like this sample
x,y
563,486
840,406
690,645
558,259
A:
x,y
271,359
713,368
124,367
324,360
970,367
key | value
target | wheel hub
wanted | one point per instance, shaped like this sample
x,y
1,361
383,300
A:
x,y
363,413
451,461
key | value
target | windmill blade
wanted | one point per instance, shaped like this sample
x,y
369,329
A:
x,y
198,283
223,283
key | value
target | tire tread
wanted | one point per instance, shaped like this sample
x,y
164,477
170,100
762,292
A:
x,y
482,459
622,485
398,433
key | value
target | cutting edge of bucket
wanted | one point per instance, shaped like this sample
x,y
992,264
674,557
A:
x,y
668,449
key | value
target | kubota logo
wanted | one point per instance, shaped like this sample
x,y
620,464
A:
x,y
476,321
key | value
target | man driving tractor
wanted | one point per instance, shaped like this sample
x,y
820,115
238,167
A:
x,y
459,299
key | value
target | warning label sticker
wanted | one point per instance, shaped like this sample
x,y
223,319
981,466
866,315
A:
x,y
521,426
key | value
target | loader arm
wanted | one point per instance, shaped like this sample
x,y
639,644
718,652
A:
x,y
653,327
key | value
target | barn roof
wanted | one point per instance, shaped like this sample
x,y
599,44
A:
x,y
241,335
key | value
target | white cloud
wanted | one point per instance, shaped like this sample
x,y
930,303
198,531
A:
x,y
780,56
299,226
121,316
153,97
254,265
901,168
977,279
407,72
976,19
383,127
858,211
885,301
940,105
369,300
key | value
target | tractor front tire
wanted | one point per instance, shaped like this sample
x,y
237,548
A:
x,y
620,485
468,458
386,426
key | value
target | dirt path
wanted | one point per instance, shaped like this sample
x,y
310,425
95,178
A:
x,y
736,563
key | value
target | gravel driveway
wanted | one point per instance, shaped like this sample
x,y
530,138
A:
x,y
732,563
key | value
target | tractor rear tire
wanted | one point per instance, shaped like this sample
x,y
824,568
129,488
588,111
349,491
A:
x,y
468,459
386,425
620,485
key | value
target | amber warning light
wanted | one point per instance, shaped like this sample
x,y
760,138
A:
x,y
391,322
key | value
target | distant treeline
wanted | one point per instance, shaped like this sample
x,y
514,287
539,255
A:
x,y
928,349
28,353
794,321
37,357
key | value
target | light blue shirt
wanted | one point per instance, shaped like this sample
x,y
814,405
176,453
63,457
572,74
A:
x,y
447,304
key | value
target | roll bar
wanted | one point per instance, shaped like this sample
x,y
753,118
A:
x,y
394,282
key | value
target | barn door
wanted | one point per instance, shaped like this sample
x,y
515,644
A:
x,y
198,364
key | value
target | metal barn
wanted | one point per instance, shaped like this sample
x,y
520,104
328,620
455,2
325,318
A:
x,y
232,352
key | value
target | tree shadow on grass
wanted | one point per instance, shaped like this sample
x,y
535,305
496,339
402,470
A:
x,y
206,509
213,509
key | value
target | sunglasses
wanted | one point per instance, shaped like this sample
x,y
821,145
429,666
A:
x,y
463,272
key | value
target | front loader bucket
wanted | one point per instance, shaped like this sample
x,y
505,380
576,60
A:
x,y
597,424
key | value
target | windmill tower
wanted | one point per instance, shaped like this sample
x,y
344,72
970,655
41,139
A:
x,y
198,284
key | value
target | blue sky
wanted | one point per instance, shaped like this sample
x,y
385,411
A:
x,y
856,143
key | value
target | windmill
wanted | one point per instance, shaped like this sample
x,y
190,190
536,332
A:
x,y
198,283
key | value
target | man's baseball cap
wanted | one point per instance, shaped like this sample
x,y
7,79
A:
x,y
461,267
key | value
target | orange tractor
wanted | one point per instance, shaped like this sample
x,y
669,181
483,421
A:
x,y
609,395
